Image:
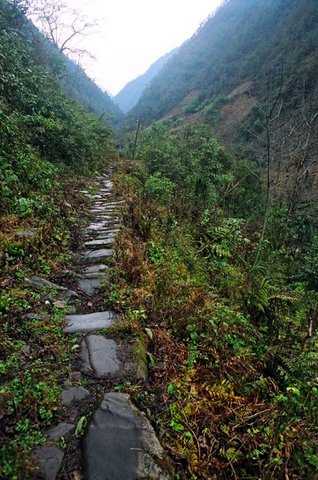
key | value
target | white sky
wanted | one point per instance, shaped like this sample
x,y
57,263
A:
x,y
132,34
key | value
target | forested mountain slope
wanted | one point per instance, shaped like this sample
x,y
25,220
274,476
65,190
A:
x,y
80,87
250,73
240,42
72,77
41,128
129,96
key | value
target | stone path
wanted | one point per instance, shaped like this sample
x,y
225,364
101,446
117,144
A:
x,y
119,443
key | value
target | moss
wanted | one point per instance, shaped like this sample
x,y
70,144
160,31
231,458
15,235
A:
x,y
140,349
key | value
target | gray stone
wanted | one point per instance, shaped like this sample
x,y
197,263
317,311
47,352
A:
x,y
89,322
92,256
50,461
121,444
74,394
97,211
99,356
61,430
102,242
107,232
90,285
96,226
98,268
42,283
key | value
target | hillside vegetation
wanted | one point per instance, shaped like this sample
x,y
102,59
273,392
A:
x,y
42,130
77,85
219,256
249,73
229,295
47,142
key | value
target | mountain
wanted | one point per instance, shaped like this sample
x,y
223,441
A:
x,y
43,130
72,78
129,96
250,73
76,84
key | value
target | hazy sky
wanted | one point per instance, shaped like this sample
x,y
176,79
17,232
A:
x,y
132,34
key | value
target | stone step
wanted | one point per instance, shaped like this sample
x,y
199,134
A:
x,y
90,322
90,284
50,459
121,443
71,395
97,268
93,256
100,242
96,226
100,357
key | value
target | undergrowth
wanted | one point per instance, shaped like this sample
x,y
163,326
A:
x,y
35,352
47,144
232,316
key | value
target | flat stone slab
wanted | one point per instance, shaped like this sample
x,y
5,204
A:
x,y
92,256
121,444
50,461
99,356
107,232
72,395
89,322
97,226
98,268
101,242
90,284
61,430
42,283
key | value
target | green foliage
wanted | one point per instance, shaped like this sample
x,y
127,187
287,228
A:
x,y
159,188
41,130
189,161
237,341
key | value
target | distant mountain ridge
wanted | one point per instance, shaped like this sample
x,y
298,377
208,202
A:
x,y
250,73
76,83
129,96
237,44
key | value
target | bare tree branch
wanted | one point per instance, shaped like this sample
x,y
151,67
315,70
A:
x,y
61,25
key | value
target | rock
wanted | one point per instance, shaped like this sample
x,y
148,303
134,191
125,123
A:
x,y
102,242
90,285
75,376
97,268
50,461
61,430
74,394
97,255
42,283
99,356
89,322
111,232
121,444
97,226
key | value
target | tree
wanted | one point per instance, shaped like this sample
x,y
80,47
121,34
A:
x,y
61,24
